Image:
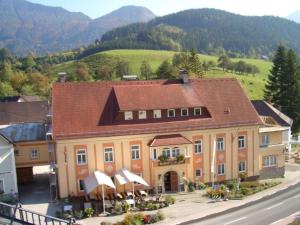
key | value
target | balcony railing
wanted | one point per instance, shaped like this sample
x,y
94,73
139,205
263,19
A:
x,y
171,162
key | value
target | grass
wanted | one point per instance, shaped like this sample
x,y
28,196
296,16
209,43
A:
x,y
252,84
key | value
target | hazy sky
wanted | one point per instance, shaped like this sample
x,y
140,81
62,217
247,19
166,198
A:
x,y
96,8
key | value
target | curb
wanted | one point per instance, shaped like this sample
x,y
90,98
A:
x,y
242,206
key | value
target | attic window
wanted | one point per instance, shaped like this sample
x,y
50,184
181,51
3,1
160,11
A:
x,y
197,112
128,115
184,112
157,113
142,115
171,112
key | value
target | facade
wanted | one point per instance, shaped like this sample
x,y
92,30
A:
x,y
8,178
201,130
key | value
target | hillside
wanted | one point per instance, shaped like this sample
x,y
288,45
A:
x,y
27,27
253,84
207,30
295,16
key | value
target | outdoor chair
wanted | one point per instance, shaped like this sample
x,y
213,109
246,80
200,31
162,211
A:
x,y
129,195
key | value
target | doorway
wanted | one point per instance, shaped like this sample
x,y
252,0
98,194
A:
x,y
171,181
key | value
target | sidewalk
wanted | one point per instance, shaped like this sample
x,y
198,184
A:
x,y
191,206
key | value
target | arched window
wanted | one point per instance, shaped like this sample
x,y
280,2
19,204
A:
x,y
175,152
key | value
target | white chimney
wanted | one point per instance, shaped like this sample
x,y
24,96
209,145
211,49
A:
x,y
62,77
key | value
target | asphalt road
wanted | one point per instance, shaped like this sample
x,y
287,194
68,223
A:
x,y
269,210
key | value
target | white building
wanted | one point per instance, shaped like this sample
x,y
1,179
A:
x,y
8,178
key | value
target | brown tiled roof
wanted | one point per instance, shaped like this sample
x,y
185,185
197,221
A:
x,y
172,139
23,112
78,107
265,109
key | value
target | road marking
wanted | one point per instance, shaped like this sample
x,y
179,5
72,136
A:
x,y
233,221
297,196
277,221
273,206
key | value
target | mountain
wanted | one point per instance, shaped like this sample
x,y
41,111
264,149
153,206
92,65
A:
x,y
27,27
295,16
207,30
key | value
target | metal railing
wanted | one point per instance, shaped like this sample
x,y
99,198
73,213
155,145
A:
x,y
16,213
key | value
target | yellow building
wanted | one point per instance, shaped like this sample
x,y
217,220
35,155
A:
x,y
201,130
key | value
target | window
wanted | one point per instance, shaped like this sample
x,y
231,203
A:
x,y
198,146
142,115
184,112
270,161
154,154
128,115
80,185
198,172
2,190
265,140
197,112
242,142
108,155
221,169
171,112
157,113
81,157
34,153
175,152
242,166
166,152
135,152
220,144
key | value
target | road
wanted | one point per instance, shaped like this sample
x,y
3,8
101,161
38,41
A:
x,y
270,210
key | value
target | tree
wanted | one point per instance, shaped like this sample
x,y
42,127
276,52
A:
x,y
105,72
121,68
272,90
6,72
166,71
4,55
6,89
29,63
17,81
223,61
146,70
82,72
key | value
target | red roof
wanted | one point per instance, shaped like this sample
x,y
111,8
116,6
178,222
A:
x,y
79,108
172,139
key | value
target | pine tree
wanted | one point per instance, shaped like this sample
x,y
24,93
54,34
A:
x,y
272,90
146,70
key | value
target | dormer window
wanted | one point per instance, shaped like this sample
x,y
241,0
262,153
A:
x,y
128,115
157,114
142,115
197,112
171,112
184,112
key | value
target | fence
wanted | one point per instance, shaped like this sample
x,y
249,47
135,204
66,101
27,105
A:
x,y
23,216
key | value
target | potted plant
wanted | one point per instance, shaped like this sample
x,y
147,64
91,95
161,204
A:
x,y
180,158
163,158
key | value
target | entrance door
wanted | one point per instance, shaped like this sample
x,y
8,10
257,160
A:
x,y
171,181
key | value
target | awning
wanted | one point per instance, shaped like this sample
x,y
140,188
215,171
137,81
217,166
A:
x,y
96,179
172,139
124,176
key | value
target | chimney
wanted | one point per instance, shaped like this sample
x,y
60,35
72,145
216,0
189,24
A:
x,y
62,77
183,75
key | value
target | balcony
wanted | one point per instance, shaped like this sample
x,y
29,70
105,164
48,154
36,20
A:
x,y
166,161
266,147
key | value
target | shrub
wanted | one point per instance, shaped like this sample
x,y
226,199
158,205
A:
x,y
160,215
88,212
139,216
215,193
147,219
125,207
191,187
118,209
249,184
169,199
106,223
163,158
180,158
78,214
128,220
232,185
201,186
154,218
245,191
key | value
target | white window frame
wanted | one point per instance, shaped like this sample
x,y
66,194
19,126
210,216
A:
x,y
198,146
198,169
80,190
3,183
175,152
221,147
270,161
244,167
34,153
171,110
142,114
110,152
135,153
128,115
81,154
242,141
154,154
166,152
265,140
221,169
195,110
157,114
187,112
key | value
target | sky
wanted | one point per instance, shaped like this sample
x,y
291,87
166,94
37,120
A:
x,y
97,8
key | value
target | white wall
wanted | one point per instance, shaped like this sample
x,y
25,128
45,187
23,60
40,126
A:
x,y
8,167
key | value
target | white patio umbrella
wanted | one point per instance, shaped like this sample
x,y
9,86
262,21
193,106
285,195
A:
x,y
96,179
124,176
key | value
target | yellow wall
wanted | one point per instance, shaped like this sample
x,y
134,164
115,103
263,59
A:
x,y
68,171
275,137
23,158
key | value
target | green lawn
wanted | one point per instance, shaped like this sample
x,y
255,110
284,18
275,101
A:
x,y
252,84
